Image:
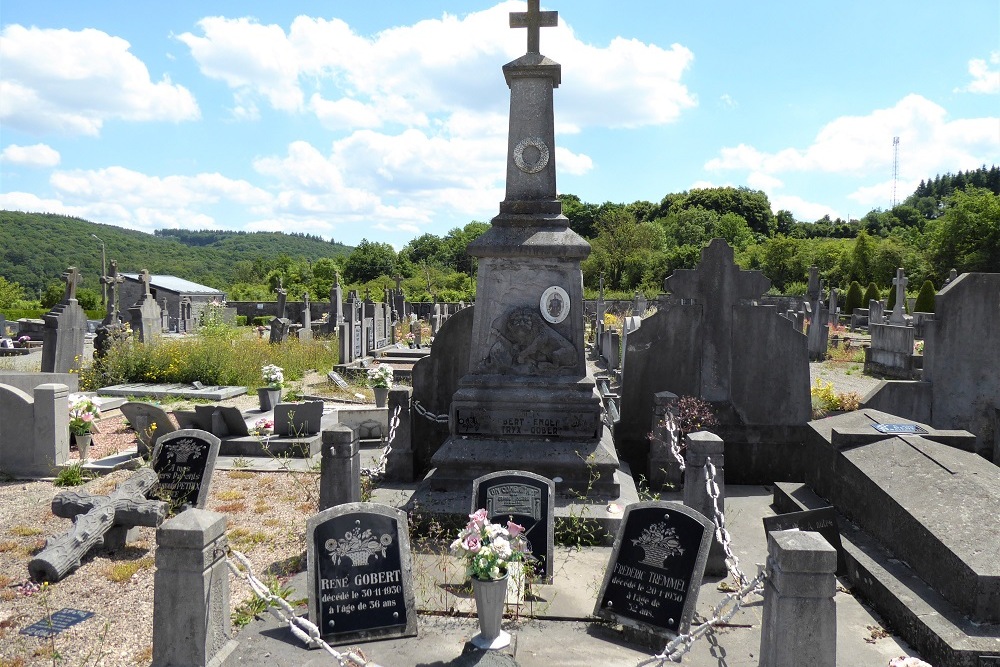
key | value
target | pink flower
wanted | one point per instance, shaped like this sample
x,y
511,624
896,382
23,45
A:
x,y
87,417
514,529
472,544
477,520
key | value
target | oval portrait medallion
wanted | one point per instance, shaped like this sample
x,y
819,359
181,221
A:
x,y
537,164
554,304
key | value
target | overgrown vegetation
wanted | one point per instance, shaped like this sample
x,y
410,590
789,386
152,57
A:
x,y
72,475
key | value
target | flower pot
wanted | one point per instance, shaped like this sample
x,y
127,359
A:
x,y
268,398
381,396
489,607
83,445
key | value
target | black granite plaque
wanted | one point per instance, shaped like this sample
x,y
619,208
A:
x,y
360,573
370,330
822,521
56,623
337,379
526,499
531,423
184,461
358,348
656,568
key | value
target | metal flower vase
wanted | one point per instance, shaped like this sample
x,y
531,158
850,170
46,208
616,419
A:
x,y
83,445
490,597
269,398
381,396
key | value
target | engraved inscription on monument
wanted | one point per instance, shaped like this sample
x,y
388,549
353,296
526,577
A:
x,y
546,424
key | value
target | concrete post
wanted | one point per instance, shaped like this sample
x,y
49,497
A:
x,y
50,448
663,467
191,615
799,625
340,468
701,446
399,467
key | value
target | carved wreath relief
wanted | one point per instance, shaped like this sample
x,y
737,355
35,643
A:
x,y
525,345
543,155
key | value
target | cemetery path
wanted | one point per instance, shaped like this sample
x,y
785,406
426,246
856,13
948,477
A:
x,y
846,376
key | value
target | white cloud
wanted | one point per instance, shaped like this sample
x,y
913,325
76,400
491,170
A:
x,y
410,74
984,79
74,81
801,209
37,155
568,162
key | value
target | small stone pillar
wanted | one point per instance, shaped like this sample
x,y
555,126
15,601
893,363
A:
x,y
191,614
399,467
663,467
701,446
799,625
340,467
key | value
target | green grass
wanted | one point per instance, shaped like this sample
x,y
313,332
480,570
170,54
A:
x,y
72,475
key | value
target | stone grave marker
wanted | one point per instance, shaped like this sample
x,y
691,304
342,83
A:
x,y
526,499
184,461
822,521
50,626
150,423
337,379
656,567
297,419
360,573
220,420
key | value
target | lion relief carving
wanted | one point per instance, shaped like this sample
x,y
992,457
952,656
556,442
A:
x,y
523,344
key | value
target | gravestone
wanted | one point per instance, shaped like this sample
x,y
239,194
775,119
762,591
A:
x,y
876,312
526,499
306,332
898,315
280,324
528,395
34,429
336,303
52,625
820,317
656,567
145,315
184,461
834,315
65,329
112,285
717,344
150,423
822,521
298,419
360,573
221,421
335,378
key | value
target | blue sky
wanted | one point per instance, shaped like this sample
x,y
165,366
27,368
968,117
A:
x,y
388,119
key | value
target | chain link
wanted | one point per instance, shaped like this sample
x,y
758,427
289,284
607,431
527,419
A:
x,y
721,534
378,471
306,631
427,414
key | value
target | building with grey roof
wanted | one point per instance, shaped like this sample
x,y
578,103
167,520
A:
x,y
170,292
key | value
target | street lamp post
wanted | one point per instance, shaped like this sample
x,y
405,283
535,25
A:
x,y
104,272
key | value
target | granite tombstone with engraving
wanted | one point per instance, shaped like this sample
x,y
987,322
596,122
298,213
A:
x,y
656,567
184,462
360,573
526,499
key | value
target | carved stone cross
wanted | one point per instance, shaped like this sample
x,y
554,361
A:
x,y
282,294
305,299
112,280
899,310
98,520
145,278
399,281
72,278
533,20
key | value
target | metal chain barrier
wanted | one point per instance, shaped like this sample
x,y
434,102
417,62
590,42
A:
x,y
427,414
376,473
730,604
307,632
670,423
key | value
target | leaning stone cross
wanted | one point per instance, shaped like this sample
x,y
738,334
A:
x,y
72,278
533,20
98,520
899,309
282,293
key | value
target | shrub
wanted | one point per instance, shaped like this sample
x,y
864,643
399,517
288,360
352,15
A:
x,y
872,293
241,320
854,297
925,299
261,321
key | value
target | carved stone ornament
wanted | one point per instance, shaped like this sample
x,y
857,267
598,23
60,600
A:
x,y
554,304
543,155
522,344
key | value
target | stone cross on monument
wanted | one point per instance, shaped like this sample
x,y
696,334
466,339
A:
x,y
399,283
72,278
113,281
899,310
145,278
528,396
533,20
282,295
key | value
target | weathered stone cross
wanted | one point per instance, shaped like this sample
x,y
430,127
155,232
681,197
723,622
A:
x,y
72,278
533,19
145,278
399,281
112,280
98,520
899,309
282,295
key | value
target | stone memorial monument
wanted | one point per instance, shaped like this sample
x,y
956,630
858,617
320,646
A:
x,y
65,329
145,315
184,462
280,324
528,396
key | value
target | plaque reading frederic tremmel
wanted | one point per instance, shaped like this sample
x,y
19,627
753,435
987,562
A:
x,y
360,573
184,461
656,568
526,499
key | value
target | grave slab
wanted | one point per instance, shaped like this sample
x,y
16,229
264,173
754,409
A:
x,y
145,389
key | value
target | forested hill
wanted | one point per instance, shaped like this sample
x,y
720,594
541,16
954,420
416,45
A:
x,y
35,248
